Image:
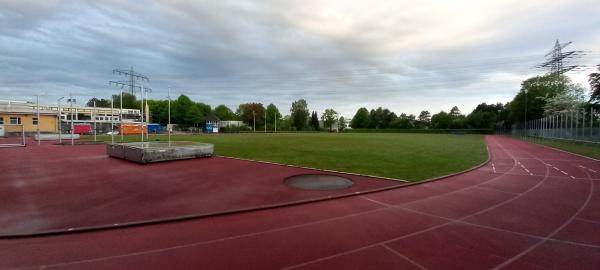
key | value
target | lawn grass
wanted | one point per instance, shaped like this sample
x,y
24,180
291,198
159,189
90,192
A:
x,y
585,149
411,157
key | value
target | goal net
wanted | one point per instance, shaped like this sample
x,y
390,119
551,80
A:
x,y
12,135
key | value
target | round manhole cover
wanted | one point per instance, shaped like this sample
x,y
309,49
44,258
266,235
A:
x,y
318,182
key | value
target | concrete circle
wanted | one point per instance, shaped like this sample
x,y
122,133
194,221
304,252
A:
x,y
318,182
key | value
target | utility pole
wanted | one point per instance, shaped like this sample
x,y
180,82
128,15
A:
x,y
253,122
265,121
275,116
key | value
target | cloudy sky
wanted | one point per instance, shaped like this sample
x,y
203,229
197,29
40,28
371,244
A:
x,y
404,55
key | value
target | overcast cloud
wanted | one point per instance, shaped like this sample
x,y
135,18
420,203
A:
x,y
404,55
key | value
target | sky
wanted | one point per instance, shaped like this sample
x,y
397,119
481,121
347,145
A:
x,y
407,56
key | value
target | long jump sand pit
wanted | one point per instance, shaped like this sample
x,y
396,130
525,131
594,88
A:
x,y
53,189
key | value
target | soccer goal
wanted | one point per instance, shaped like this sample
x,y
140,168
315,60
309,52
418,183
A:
x,y
12,135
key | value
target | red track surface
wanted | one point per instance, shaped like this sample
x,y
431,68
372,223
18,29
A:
x,y
56,189
529,208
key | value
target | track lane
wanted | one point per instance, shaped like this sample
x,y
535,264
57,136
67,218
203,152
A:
x,y
388,229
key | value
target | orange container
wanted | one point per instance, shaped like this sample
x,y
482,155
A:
x,y
132,129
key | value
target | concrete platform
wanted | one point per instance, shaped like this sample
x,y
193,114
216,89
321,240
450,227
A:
x,y
148,152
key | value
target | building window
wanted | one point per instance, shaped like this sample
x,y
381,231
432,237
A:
x,y
34,121
15,120
1,120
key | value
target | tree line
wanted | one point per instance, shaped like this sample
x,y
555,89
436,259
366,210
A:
x,y
538,96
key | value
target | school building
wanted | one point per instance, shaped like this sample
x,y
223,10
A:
x,y
17,117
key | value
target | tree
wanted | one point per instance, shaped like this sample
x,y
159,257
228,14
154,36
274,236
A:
x,y
329,118
193,116
424,119
272,115
250,112
299,114
485,116
455,112
381,118
573,99
224,113
403,121
186,112
159,111
129,101
179,108
314,121
285,123
360,119
425,116
102,103
441,120
341,123
594,80
536,91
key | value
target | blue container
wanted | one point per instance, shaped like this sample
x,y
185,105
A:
x,y
154,128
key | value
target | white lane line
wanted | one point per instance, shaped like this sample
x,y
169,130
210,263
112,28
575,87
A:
x,y
403,256
493,167
555,168
563,172
592,170
572,177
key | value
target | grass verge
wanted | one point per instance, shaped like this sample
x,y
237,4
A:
x,y
582,148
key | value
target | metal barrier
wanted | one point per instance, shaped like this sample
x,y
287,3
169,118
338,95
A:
x,y
581,126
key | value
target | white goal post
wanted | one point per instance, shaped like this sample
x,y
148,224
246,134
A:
x,y
12,135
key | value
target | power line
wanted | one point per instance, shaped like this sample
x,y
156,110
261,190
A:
x,y
557,59
131,83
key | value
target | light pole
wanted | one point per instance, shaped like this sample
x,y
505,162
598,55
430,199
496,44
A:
x,y
59,121
121,117
38,119
253,122
169,120
71,100
112,121
525,112
94,115
142,111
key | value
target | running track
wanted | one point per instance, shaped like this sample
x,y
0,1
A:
x,y
529,208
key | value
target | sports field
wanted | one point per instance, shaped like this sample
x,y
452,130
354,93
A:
x,y
411,157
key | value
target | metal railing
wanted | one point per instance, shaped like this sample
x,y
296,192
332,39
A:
x,y
581,126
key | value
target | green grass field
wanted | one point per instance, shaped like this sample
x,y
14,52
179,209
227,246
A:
x,y
585,149
411,157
